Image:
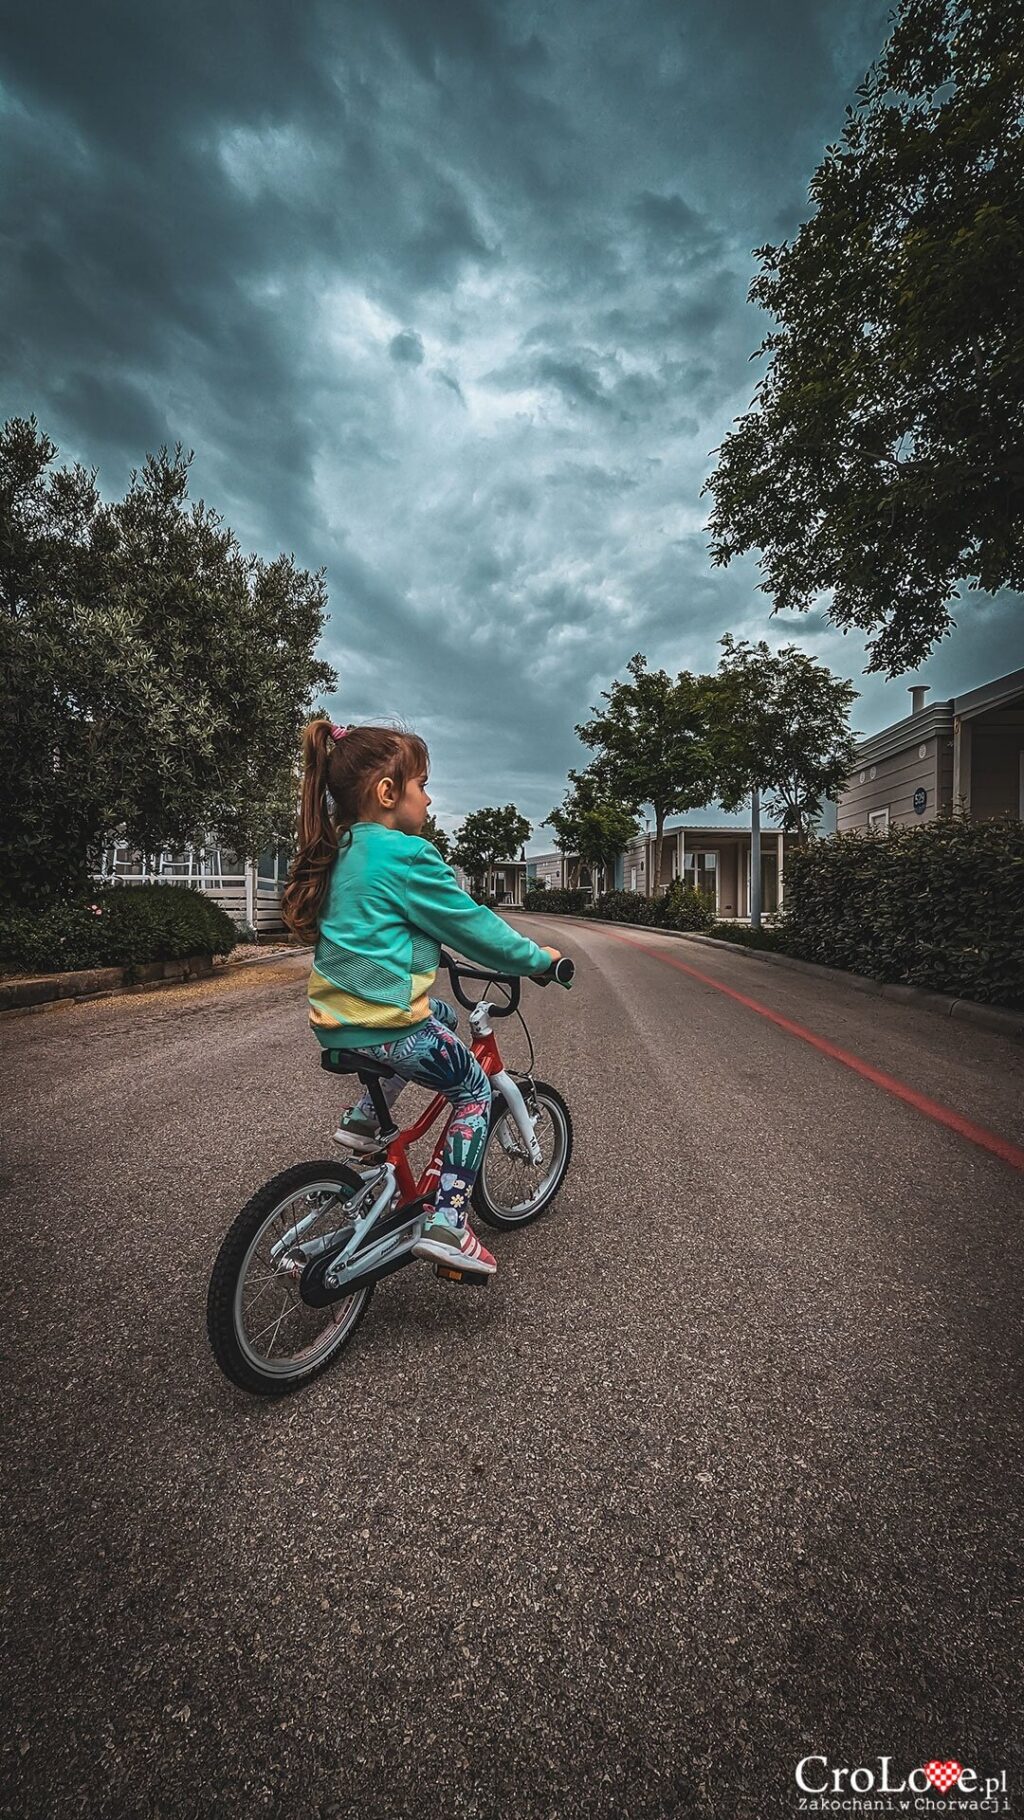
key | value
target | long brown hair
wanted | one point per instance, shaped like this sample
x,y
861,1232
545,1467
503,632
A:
x,y
339,778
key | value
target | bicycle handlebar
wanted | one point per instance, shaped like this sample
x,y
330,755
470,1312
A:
x,y
561,972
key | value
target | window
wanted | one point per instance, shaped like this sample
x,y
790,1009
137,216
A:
x,y
632,878
878,821
701,871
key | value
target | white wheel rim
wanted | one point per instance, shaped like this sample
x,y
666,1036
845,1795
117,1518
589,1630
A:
x,y
505,1192
272,1311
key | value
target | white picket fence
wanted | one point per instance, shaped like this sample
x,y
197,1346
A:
x,y
250,896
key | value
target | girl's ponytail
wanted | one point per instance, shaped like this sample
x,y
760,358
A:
x,y
318,836
340,771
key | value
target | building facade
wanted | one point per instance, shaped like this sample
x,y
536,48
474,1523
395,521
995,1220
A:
x,y
965,754
713,860
249,890
507,882
560,872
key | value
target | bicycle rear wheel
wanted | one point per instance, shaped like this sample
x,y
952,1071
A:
x,y
264,1336
510,1189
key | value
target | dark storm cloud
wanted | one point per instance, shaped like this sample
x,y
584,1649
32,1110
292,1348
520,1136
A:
x,y
449,298
407,348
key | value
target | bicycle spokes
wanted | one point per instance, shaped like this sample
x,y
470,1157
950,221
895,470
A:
x,y
275,1326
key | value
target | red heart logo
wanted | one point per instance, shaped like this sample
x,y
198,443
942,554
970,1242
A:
x,y
943,1775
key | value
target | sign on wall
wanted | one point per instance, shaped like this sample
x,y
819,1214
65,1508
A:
x,y
920,801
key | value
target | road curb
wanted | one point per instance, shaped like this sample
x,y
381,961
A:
x,y
45,992
965,1010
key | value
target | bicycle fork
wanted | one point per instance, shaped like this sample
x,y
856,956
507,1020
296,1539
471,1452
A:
x,y
526,1124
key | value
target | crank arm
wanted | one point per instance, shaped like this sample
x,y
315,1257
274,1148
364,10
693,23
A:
x,y
343,1274
327,1280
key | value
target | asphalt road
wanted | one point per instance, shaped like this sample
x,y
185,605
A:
x,y
722,1470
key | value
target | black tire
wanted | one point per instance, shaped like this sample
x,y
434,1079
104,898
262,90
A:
x,y
229,1349
483,1201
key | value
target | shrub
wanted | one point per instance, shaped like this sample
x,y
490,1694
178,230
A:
x,y
767,936
940,906
681,907
624,907
117,926
559,903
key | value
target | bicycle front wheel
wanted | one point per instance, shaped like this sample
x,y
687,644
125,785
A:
x,y
264,1336
512,1190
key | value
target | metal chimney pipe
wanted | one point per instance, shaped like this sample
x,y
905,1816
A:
x,y
917,694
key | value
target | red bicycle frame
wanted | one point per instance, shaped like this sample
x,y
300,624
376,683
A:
x,y
487,1053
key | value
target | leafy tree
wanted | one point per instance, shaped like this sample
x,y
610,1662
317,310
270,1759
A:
x,y
487,837
566,822
780,725
652,743
884,460
156,677
591,826
437,835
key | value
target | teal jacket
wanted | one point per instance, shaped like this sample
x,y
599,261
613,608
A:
x,y
390,903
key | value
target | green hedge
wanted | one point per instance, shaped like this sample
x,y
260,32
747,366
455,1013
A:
x,y
623,907
940,906
117,926
680,907
559,903
768,936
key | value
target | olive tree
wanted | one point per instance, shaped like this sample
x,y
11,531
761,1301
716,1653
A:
x,y
155,676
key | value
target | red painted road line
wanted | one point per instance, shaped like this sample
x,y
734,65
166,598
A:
x,y
1006,1151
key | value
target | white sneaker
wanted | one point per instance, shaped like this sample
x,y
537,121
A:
x,y
456,1247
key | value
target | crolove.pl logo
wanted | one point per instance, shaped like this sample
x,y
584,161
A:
x,y
942,1786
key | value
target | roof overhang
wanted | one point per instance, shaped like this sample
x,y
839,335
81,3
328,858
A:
x,y
933,722
993,695
700,832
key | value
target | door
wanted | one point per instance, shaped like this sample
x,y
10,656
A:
x,y
769,880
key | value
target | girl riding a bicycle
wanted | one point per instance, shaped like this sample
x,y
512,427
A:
x,y
378,901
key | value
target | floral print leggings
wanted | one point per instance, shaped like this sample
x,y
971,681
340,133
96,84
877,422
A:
x,y
437,1058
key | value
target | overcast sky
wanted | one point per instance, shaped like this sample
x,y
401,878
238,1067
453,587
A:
x,y
448,296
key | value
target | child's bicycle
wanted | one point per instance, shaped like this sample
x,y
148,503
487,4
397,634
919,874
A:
x,y
294,1276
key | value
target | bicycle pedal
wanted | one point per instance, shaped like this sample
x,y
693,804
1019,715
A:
x,y
450,1275
361,1153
